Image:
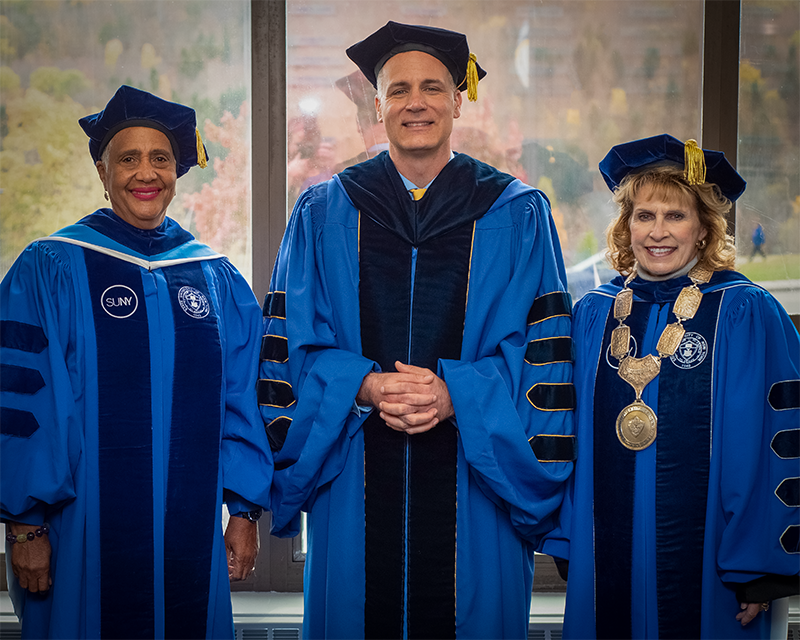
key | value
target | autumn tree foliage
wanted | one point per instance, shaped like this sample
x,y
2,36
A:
x,y
221,209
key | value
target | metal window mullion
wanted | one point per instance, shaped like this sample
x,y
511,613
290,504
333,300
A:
x,y
720,102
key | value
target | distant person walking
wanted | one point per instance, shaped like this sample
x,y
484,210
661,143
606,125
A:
x,y
758,241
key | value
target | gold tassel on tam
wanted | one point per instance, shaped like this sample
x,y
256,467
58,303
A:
x,y
694,163
472,78
202,160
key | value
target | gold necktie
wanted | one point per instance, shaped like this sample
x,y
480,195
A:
x,y
417,193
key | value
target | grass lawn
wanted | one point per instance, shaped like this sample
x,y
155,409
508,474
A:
x,y
780,267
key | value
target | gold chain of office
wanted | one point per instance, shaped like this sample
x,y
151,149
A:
x,y
636,423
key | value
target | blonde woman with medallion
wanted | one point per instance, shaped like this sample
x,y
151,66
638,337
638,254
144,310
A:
x,y
684,517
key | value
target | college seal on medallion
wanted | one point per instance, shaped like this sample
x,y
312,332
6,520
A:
x,y
636,426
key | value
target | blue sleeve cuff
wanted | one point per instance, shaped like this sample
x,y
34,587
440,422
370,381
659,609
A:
x,y
359,410
236,504
34,516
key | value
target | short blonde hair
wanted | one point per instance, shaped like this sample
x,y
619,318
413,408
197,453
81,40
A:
x,y
668,180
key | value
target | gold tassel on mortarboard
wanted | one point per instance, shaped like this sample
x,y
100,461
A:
x,y
202,160
472,78
694,162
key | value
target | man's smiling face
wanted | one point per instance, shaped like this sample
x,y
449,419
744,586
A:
x,y
417,102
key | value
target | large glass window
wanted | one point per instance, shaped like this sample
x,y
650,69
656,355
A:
x,y
768,214
63,59
566,81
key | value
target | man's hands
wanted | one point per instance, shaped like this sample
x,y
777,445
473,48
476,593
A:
x,y
30,561
241,543
413,399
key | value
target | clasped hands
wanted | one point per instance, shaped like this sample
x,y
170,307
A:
x,y
412,399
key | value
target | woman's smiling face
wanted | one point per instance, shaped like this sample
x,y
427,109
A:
x,y
665,230
139,175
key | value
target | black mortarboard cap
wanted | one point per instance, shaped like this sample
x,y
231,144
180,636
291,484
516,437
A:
x,y
449,47
700,165
358,89
131,107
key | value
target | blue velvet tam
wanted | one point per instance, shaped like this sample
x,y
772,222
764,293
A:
x,y
131,107
449,47
636,156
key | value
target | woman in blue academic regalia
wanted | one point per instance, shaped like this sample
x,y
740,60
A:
x,y
684,516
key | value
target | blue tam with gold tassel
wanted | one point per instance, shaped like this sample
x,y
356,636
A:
x,y
700,165
131,107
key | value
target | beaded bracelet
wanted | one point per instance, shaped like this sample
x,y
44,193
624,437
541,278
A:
x,y
27,537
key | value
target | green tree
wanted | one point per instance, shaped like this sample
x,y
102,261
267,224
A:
x,y
58,83
588,246
20,34
47,177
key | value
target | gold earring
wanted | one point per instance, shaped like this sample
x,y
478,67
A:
x,y
701,244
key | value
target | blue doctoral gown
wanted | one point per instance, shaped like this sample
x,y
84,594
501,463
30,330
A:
x,y
128,404
430,535
660,537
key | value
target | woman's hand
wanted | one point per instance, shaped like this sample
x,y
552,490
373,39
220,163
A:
x,y
750,610
241,543
30,560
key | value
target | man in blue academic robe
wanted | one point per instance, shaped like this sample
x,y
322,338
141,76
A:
x,y
128,404
416,370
